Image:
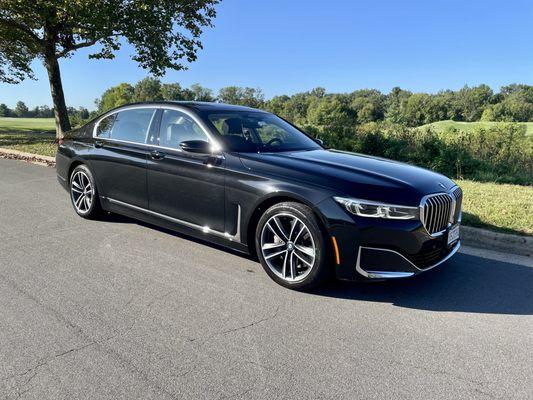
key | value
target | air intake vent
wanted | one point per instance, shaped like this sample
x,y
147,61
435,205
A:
x,y
436,212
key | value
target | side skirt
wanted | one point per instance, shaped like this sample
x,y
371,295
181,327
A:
x,y
153,218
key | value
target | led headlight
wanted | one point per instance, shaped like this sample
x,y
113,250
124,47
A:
x,y
366,208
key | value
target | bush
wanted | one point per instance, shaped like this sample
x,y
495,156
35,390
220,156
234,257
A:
x,y
502,153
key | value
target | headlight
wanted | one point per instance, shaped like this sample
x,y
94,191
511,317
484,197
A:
x,y
366,208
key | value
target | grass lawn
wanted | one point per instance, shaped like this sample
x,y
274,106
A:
x,y
499,207
32,135
42,144
468,126
27,125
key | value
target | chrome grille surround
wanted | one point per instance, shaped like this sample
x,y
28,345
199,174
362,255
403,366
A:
x,y
457,193
440,210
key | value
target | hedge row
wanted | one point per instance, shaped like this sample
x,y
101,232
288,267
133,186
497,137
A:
x,y
502,153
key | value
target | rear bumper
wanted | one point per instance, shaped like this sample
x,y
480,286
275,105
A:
x,y
63,182
376,263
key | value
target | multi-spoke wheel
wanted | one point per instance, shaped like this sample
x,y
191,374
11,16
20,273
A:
x,y
83,192
290,245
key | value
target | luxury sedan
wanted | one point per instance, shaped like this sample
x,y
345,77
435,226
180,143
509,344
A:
x,y
249,180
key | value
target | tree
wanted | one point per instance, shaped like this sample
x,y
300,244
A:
x,y
200,93
330,111
242,96
396,104
147,89
473,100
83,113
5,111
115,96
171,91
21,110
162,34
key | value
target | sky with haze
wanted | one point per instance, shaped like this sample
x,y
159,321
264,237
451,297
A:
x,y
289,46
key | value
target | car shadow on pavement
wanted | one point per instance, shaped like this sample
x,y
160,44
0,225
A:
x,y
464,284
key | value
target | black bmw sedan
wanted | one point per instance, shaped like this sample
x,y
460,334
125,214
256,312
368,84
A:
x,y
251,181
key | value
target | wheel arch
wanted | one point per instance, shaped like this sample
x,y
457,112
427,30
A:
x,y
80,161
76,162
267,202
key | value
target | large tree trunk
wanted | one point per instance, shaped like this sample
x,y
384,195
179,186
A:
x,y
58,97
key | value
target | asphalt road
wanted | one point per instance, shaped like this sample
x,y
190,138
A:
x,y
120,310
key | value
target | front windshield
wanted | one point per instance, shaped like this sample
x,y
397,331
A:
x,y
257,131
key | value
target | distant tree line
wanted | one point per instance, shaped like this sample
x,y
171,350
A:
x,y
151,89
317,108
513,103
22,111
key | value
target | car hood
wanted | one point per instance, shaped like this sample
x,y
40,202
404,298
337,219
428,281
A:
x,y
351,174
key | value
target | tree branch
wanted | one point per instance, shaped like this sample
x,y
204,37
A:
x,y
76,46
15,25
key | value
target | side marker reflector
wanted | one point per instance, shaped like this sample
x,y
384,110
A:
x,y
336,249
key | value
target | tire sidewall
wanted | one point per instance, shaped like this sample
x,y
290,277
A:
x,y
94,204
305,214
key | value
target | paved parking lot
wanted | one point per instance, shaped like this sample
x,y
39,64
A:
x,y
121,310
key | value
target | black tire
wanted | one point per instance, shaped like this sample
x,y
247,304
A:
x,y
94,210
321,268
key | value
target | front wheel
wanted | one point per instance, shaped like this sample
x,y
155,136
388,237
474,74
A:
x,y
291,246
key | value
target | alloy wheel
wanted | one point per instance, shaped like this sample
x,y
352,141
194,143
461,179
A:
x,y
288,247
82,192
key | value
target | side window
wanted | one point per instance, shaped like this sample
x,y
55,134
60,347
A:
x,y
177,127
133,125
104,127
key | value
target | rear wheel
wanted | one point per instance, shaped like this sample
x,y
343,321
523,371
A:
x,y
83,193
291,246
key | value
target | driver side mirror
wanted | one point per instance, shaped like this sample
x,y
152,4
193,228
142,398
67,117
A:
x,y
196,146
319,141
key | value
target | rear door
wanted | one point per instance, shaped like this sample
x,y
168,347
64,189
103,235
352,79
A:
x,y
182,185
121,151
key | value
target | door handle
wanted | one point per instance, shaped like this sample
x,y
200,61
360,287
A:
x,y
98,144
157,155
214,160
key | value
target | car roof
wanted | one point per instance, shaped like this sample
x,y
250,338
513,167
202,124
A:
x,y
196,105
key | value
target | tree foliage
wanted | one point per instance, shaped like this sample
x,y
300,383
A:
x,y
162,33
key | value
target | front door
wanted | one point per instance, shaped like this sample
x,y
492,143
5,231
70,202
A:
x,y
185,186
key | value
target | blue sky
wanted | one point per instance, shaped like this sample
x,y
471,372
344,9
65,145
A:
x,y
287,46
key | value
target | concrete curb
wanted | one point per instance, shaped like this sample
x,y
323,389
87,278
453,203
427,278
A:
x,y
502,242
474,237
28,157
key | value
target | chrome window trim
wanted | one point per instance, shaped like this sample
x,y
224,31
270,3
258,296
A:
x,y
236,237
184,110
399,274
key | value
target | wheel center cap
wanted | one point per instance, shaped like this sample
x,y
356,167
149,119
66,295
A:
x,y
290,246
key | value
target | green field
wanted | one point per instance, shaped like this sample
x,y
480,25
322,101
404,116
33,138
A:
x,y
468,126
31,135
499,207
27,125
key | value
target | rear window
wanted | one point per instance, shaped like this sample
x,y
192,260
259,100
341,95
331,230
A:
x,y
129,125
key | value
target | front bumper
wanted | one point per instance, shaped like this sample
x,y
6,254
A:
x,y
376,263
374,248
